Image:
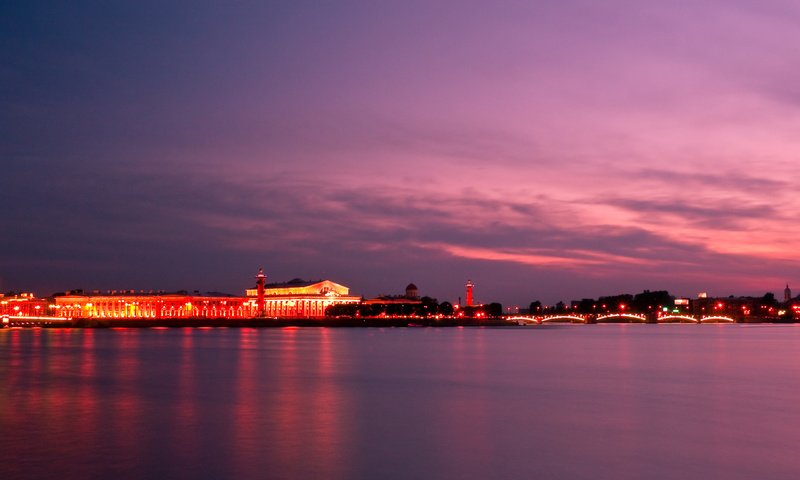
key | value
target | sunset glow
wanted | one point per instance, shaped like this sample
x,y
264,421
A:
x,y
543,149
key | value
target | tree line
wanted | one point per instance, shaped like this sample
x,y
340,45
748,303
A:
x,y
427,307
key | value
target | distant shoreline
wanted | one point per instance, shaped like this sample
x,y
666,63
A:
x,y
282,322
349,322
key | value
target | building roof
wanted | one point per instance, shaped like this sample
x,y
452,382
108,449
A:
x,y
302,287
295,282
141,293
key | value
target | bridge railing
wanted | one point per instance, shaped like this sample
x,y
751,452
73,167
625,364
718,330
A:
x,y
619,317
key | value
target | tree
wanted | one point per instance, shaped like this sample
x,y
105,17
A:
x,y
769,299
616,302
428,306
446,308
494,309
585,305
647,300
535,307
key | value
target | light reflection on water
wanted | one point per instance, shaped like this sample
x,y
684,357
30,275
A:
x,y
597,401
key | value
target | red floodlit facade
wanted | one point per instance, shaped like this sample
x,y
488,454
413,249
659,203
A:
x,y
23,305
295,299
300,299
142,305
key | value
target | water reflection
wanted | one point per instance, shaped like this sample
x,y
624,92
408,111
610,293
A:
x,y
632,401
329,409
185,429
247,406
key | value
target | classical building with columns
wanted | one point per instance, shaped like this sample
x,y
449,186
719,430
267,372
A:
x,y
132,304
293,299
301,299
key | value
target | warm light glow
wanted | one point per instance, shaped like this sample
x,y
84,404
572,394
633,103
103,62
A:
x,y
560,318
678,317
712,319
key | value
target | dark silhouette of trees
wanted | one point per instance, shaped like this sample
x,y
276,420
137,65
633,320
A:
x,y
651,301
644,302
535,307
426,307
494,309
585,305
614,303
769,299
446,308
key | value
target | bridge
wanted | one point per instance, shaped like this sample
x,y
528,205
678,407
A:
x,y
24,321
618,318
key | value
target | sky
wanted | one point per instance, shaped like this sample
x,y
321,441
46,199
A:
x,y
545,150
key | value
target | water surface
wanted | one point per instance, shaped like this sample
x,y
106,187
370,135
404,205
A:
x,y
584,401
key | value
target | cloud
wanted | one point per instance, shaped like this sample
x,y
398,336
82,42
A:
x,y
468,225
713,215
622,141
699,181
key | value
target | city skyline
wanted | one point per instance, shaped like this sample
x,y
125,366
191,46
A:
x,y
544,151
465,296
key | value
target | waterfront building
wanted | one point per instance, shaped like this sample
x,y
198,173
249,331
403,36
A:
x,y
301,299
132,304
22,305
410,298
294,299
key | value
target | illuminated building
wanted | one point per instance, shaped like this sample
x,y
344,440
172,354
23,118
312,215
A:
x,y
301,299
23,304
129,304
295,299
410,298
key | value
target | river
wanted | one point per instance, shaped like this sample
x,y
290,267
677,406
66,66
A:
x,y
570,401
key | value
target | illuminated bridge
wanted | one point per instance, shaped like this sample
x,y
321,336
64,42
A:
x,y
619,318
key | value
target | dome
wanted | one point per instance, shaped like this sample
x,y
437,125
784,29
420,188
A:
x,y
411,286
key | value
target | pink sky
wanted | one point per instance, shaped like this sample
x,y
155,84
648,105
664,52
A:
x,y
546,150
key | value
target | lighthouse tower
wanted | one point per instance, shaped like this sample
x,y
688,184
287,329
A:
x,y
469,286
261,280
